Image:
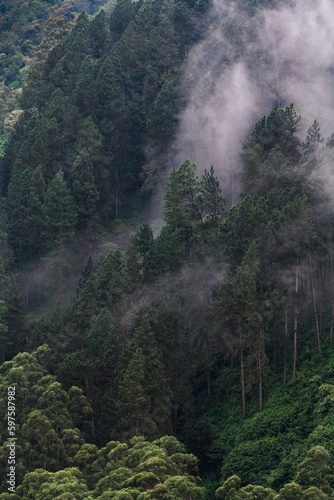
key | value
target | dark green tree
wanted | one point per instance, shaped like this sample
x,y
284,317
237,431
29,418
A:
x,y
83,188
59,213
133,404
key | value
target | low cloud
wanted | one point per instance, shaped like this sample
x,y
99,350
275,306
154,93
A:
x,y
248,62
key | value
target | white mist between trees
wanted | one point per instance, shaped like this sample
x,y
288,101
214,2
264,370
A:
x,y
248,62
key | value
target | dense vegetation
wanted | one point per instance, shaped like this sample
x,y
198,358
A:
x,y
28,30
212,338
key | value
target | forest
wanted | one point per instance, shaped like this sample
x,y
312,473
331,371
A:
x,y
166,256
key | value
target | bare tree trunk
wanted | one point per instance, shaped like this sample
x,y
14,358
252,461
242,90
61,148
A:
x,y
285,341
208,363
38,272
295,313
2,352
321,288
27,291
331,278
208,358
274,333
280,337
117,194
243,383
176,385
260,383
315,305
91,402
332,324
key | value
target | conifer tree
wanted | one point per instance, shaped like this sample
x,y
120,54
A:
x,y
133,404
83,188
86,274
98,35
156,382
59,213
313,138
60,218
113,113
3,331
163,118
25,199
6,253
180,209
277,130
122,14
212,201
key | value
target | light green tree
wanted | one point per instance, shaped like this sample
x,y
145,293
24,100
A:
x,y
314,470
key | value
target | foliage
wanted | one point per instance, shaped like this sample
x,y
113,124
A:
x,y
218,329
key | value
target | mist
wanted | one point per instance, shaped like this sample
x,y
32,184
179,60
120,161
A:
x,y
246,64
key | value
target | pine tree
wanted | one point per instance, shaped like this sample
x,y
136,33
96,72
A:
x,y
133,404
122,14
60,218
241,319
25,199
83,188
144,240
6,253
3,332
163,118
76,49
156,382
180,208
98,35
86,274
211,200
278,130
113,112
59,213
313,138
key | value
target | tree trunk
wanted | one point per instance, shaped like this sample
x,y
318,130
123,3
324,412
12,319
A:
x,y
274,334
285,341
207,342
332,324
176,384
117,194
280,337
208,363
91,402
315,305
243,384
2,352
295,314
260,383
27,291
331,287
38,272
321,288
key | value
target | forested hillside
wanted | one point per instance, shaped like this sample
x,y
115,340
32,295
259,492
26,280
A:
x,y
28,31
187,359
